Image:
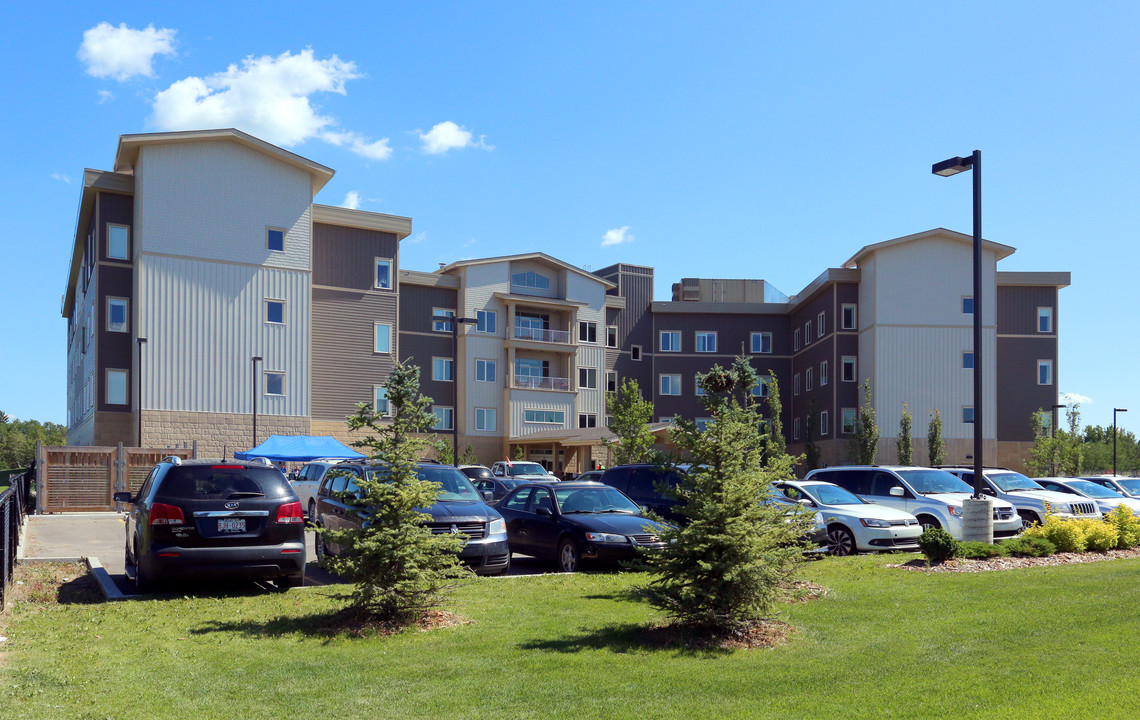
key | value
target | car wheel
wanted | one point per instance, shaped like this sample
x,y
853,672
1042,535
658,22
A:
x,y
568,556
290,581
319,547
929,523
840,541
144,583
1028,517
312,512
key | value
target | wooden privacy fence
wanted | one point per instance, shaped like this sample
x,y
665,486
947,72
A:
x,y
83,479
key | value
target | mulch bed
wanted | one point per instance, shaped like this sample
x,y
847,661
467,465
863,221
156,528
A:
x,y
961,565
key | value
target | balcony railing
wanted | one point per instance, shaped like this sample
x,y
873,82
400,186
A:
x,y
550,336
526,382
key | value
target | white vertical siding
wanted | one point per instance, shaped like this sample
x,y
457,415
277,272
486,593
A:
x,y
522,400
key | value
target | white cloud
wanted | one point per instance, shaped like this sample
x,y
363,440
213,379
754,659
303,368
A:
x,y
105,95
449,136
1075,399
415,239
351,200
61,177
268,97
123,52
617,236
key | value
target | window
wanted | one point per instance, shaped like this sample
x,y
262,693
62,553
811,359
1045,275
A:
x,y
275,239
444,418
703,423
118,242
380,400
441,369
1044,319
796,429
796,384
532,367
1044,372
382,338
968,415
274,382
587,331
807,333
823,373
796,339
485,370
849,421
848,316
441,325
609,419
530,279
485,419
587,420
485,321
117,315
824,419
706,341
761,342
116,391
761,390
968,308
967,361
275,312
700,391
670,384
635,353
611,381
588,378
671,420
383,279
611,336
808,375
819,324
847,368
557,417
670,341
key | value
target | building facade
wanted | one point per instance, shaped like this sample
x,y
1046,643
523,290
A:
x,y
208,294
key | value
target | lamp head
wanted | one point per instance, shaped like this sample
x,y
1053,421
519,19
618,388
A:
x,y
953,166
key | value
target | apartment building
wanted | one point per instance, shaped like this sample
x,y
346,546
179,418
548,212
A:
x,y
208,293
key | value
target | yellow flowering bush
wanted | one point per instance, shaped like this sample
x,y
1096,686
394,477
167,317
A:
x,y
1099,535
1067,535
1127,527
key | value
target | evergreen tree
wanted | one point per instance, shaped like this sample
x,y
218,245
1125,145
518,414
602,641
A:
x,y
936,448
519,454
469,456
811,450
775,444
866,431
905,445
629,421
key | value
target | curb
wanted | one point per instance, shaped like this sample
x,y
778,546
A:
x,y
107,586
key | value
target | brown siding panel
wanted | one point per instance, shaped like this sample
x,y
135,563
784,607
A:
x,y
345,368
344,257
1018,394
1017,309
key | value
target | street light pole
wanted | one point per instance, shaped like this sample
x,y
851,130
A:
x,y
141,342
1114,411
256,359
985,526
456,410
1053,436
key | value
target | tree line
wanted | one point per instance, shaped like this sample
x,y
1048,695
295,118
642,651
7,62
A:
x,y
18,440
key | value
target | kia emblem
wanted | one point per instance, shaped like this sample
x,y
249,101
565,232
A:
x,y
231,505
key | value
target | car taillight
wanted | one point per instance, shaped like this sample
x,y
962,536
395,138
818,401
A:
x,y
161,514
290,513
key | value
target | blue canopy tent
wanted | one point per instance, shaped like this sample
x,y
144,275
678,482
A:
x,y
299,448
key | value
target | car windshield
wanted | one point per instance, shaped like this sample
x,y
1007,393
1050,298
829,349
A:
x,y
511,483
925,482
594,500
1132,486
1007,481
453,485
832,495
222,482
1093,490
526,468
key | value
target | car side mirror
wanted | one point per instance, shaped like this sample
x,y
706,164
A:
x,y
806,502
544,511
488,495
897,491
123,497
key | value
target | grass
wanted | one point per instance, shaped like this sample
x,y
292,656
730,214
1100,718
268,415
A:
x,y
1044,642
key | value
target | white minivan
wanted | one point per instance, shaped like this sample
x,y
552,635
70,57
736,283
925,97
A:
x,y
933,496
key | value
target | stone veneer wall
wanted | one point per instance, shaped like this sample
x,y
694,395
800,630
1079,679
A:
x,y
216,433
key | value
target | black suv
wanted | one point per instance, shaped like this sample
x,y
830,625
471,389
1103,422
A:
x,y
459,509
203,518
643,483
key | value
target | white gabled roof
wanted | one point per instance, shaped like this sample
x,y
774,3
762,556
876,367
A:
x,y
1001,251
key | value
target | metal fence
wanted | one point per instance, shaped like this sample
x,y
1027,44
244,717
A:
x,y
14,504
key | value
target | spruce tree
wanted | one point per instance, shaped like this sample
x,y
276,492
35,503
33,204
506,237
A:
x,y
905,444
936,448
866,430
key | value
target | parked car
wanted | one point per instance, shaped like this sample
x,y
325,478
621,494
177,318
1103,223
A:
x,y
307,481
1126,486
496,487
1107,500
1027,496
931,495
522,470
590,476
459,509
569,522
476,472
854,524
209,518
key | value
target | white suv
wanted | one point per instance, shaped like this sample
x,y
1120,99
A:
x,y
854,524
307,482
933,496
1027,496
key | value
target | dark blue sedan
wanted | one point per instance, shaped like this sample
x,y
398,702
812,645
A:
x,y
569,522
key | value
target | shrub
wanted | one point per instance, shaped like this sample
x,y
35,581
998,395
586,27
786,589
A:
x,y
937,545
1099,535
1067,535
1028,546
1127,527
974,550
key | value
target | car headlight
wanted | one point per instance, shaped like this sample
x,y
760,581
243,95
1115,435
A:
x,y
1062,509
872,522
497,526
606,538
955,511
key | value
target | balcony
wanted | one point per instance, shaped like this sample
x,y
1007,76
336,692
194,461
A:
x,y
530,382
540,335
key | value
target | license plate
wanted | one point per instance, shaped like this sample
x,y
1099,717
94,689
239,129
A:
x,y
231,525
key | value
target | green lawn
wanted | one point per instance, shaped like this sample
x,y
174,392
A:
x,y
1057,642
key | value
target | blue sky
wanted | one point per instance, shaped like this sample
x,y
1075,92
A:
x,y
752,130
